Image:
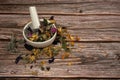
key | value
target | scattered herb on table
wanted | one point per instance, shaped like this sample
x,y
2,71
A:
x,y
63,42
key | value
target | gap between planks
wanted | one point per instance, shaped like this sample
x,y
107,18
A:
x,y
64,14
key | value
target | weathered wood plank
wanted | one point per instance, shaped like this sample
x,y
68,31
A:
x,y
99,69
88,28
84,7
93,50
96,22
93,21
85,34
52,1
92,58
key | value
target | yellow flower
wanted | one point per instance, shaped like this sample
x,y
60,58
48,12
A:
x,y
70,37
50,52
32,58
72,43
65,55
42,63
59,29
48,34
35,51
69,63
34,72
34,37
52,21
31,39
45,49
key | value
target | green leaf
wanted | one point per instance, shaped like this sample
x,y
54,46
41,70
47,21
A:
x,y
12,46
45,22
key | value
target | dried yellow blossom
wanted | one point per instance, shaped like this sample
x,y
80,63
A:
x,y
52,21
59,29
34,72
72,43
42,63
35,51
71,38
50,52
32,58
69,63
34,37
48,34
31,39
65,55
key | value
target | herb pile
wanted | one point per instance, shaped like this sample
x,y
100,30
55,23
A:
x,y
45,31
62,44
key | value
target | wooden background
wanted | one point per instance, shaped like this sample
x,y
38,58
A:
x,y
96,22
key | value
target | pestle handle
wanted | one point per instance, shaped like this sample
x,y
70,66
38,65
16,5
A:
x,y
34,18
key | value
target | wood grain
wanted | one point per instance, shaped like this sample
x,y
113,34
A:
x,y
52,1
90,21
82,48
102,69
83,7
95,55
86,35
88,28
